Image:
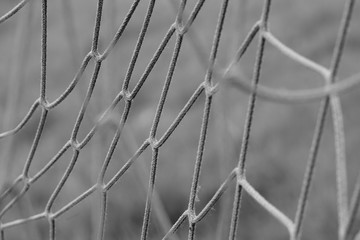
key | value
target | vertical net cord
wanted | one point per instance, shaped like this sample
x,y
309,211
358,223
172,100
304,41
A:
x,y
141,171
155,151
108,157
248,124
72,37
239,20
44,111
125,114
43,51
353,211
309,172
19,58
206,115
24,177
73,138
341,174
155,124
138,46
339,137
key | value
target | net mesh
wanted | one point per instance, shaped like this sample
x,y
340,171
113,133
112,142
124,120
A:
x,y
216,81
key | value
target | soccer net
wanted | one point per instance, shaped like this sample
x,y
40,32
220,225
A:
x,y
148,135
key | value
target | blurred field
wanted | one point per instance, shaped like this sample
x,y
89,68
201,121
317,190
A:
x,y
279,142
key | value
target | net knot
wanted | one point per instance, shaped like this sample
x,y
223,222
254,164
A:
x,y
75,144
153,142
26,181
48,215
180,28
96,55
240,175
209,89
191,216
101,186
44,103
127,95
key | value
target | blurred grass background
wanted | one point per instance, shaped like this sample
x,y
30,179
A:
x,y
279,142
